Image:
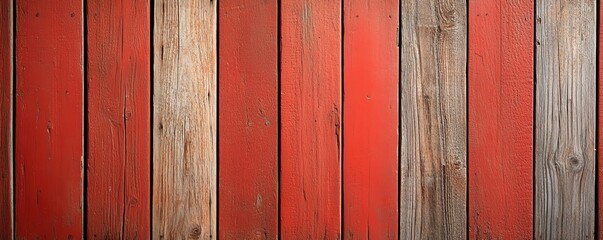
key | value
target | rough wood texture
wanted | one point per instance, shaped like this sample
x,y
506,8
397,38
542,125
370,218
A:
x,y
311,119
565,119
118,120
371,119
6,119
501,100
248,177
184,121
49,130
433,120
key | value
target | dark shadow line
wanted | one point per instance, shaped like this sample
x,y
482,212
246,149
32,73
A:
x,y
279,120
14,114
85,118
151,109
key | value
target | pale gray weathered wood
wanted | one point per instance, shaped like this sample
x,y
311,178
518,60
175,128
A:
x,y
433,119
565,119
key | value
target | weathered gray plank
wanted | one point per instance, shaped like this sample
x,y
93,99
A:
x,y
433,119
184,126
565,119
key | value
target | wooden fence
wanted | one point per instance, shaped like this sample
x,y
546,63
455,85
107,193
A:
x,y
300,119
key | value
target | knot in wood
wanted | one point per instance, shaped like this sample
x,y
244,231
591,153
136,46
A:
x,y
195,232
133,202
576,164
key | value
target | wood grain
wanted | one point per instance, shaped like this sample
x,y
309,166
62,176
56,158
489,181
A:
x,y
311,119
370,162
248,120
565,119
433,119
6,119
184,120
501,113
49,109
118,120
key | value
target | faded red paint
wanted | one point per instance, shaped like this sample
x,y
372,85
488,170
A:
x,y
248,120
6,115
501,90
118,120
371,120
49,130
311,119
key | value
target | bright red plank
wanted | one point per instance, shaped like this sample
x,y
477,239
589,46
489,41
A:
x,y
6,115
371,120
49,130
501,90
248,120
118,119
311,119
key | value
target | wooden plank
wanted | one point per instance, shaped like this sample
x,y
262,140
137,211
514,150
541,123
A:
x,y
118,120
311,119
433,120
565,119
184,121
248,177
6,119
501,113
49,132
370,162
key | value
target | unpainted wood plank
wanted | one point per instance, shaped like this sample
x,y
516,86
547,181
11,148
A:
x,y
248,120
311,119
370,162
433,178
565,119
118,95
184,120
49,108
501,96
6,120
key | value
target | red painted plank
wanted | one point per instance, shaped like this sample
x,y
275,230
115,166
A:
x,y
49,142
118,119
371,120
248,120
311,119
501,90
6,115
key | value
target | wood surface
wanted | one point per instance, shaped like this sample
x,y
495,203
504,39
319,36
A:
x,y
118,95
49,130
433,124
370,162
501,97
248,120
6,119
184,120
311,119
565,120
